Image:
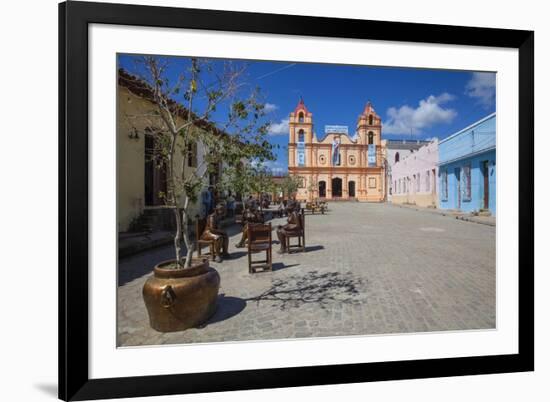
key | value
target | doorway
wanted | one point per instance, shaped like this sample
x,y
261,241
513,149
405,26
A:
x,y
351,189
458,195
485,170
336,187
322,189
155,175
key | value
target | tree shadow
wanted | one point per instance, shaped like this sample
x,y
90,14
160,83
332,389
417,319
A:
x,y
227,307
313,287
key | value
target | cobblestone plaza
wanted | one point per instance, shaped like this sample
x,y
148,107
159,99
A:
x,y
367,269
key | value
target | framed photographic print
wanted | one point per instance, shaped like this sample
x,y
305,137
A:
x,y
258,201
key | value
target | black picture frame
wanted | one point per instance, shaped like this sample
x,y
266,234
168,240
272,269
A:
x,y
74,18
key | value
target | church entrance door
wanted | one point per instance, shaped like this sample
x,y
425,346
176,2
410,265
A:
x,y
336,187
322,189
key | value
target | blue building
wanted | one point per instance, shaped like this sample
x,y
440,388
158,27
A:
x,y
467,168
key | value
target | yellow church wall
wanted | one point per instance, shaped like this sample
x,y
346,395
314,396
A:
x,y
369,180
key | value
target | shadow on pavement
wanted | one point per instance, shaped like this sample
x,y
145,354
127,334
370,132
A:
x,y
237,254
313,287
279,265
314,248
228,306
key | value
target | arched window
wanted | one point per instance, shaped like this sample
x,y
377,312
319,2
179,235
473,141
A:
x,y
396,157
370,120
301,117
301,136
371,138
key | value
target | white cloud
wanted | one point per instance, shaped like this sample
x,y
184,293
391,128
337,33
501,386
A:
x,y
270,107
276,167
482,86
280,128
429,112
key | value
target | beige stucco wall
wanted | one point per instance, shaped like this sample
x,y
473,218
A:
x,y
420,199
132,113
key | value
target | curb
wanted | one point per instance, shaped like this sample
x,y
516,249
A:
x,y
465,218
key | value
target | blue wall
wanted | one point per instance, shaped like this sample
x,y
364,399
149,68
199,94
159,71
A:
x,y
468,148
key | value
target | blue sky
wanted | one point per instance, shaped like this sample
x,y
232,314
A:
x,y
413,103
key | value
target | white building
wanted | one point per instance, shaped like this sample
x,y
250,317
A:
x,y
415,177
395,151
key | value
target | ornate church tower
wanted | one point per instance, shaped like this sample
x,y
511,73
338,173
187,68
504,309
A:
x,y
369,126
300,136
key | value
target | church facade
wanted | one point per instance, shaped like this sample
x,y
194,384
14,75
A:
x,y
337,166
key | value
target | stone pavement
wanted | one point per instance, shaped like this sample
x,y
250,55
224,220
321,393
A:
x,y
452,213
368,269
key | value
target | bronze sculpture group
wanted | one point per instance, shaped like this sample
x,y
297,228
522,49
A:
x,y
251,215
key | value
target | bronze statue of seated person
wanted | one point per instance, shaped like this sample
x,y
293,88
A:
x,y
250,215
293,227
213,232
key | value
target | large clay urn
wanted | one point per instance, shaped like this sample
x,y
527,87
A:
x,y
177,299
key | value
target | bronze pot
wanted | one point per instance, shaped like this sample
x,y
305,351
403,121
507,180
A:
x,y
177,299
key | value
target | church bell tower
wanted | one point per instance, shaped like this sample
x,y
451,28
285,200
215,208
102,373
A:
x,y
300,136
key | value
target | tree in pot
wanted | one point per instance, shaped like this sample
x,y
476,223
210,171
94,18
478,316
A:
x,y
182,293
